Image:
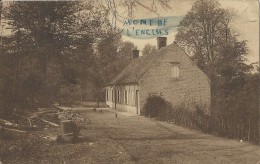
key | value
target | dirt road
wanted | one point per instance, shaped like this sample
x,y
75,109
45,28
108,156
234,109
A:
x,y
135,139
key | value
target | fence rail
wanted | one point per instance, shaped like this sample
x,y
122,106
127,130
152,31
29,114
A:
x,y
230,127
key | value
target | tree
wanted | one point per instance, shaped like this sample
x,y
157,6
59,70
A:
x,y
148,49
206,33
55,45
112,56
124,55
36,52
48,23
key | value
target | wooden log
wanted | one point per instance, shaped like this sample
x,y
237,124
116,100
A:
x,y
51,123
36,114
12,133
2,122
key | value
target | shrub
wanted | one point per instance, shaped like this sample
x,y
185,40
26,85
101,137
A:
x,y
155,105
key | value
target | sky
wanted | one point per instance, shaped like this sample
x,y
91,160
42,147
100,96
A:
x,y
246,22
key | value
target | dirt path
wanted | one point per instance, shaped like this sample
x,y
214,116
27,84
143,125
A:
x,y
135,139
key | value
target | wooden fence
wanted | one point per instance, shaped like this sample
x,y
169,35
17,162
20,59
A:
x,y
230,127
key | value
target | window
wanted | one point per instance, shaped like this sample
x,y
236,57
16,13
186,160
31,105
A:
x,y
125,97
175,70
133,97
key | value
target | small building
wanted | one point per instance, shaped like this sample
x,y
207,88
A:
x,y
169,73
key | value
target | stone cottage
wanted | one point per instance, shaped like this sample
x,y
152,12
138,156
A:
x,y
169,73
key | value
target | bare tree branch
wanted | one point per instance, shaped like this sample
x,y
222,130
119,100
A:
x,y
148,8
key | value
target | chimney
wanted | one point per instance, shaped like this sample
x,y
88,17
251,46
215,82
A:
x,y
161,42
135,54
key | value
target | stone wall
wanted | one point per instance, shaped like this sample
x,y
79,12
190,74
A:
x,y
192,87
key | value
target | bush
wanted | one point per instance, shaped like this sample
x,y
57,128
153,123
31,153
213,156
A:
x,y
155,105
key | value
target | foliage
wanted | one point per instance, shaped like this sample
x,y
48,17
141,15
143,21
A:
x,y
56,45
53,46
232,125
206,34
155,105
39,38
148,49
115,59
111,57
74,117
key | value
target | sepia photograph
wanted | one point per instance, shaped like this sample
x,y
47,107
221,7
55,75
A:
x,y
129,81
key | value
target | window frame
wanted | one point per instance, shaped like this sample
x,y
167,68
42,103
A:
x,y
175,70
